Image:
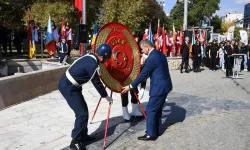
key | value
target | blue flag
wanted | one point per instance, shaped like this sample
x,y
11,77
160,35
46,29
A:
x,y
50,42
150,36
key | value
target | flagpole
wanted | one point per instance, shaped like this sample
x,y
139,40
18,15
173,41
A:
x,y
185,15
84,45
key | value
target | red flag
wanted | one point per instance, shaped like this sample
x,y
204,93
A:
x,y
63,29
164,44
78,4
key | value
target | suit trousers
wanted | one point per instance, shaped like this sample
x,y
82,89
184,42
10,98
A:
x,y
77,103
154,114
213,62
124,97
196,63
184,60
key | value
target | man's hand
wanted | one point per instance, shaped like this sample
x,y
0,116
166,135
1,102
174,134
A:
x,y
141,93
109,99
125,89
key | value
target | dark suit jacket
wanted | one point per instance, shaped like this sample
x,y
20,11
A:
x,y
156,67
196,50
184,50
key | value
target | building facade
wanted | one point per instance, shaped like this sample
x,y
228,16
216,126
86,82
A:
x,y
247,16
238,18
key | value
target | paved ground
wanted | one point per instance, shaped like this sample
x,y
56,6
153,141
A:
x,y
204,111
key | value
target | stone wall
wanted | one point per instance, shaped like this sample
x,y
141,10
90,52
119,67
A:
x,y
22,87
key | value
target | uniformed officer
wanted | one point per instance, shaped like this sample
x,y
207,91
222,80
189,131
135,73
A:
x,y
213,54
80,72
63,48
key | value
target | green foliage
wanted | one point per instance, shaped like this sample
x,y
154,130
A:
x,y
135,14
177,15
40,12
226,25
216,23
12,11
197,10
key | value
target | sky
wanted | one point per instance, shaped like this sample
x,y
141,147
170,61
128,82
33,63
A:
x,y
225,6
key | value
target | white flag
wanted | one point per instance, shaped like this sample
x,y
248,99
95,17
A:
x,y
244,36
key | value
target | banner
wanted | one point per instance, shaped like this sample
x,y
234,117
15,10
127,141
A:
x,y
244,36
230,33
222,38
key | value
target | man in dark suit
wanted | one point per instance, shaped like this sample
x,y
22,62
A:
x,y
228,62
196,56
185,54
155,67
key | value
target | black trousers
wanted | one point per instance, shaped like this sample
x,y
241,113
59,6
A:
x,y
124,97
228,65
213,62
184,61
62,55
196,63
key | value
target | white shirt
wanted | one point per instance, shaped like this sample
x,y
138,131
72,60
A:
x,y
69,34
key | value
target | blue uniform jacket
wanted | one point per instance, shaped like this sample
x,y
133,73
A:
x,y
83,69
156,67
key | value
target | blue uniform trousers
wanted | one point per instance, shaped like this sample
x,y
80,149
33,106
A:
x,y
154,114
77,103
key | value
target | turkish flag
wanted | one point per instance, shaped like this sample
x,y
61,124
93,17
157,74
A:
x,y
78,4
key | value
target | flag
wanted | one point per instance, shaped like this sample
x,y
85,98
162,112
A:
x,y
244,36
204,36
158,29
201,37
193,41
31,38
50,42
94,36
174,36
78,4
150,38
63,29
164,43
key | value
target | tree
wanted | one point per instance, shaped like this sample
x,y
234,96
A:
x,y
135,14
12,11
216,23
226,25
198,10
59,9
40,12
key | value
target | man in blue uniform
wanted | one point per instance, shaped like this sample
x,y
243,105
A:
x,y
80,72
155,67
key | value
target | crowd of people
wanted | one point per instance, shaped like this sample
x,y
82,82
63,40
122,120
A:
x,y
216,55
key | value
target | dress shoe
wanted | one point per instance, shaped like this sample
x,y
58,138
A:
x,y
76,145
147,138
186,71
88,138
